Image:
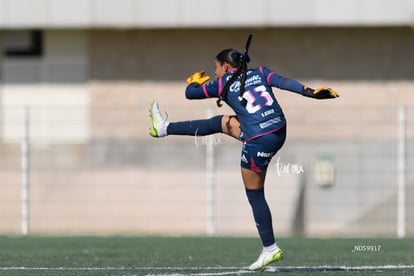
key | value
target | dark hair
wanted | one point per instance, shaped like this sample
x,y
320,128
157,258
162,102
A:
x,y
236,60
229,56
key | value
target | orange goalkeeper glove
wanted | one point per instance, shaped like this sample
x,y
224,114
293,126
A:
x,y
320,93
198,77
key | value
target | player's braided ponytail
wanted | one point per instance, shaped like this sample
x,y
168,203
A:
x,y
239,61
243,69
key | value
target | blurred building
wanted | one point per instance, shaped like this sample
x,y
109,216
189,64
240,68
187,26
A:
x,y
87,70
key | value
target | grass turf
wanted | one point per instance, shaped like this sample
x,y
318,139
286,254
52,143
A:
x,y
197,256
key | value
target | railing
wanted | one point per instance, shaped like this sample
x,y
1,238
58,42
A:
x,y
334,176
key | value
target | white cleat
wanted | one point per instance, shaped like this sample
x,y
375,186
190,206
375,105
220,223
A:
x,y
159,124
266,258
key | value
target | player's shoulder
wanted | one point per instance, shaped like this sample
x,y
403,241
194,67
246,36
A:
x,y
265,69
262,70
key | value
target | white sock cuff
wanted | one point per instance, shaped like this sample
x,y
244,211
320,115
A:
x,y
270,248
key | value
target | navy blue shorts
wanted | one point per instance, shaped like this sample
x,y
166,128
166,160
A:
x,y
257,153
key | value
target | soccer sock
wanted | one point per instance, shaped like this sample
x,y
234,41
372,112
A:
x,y
270,248
196,127
262,216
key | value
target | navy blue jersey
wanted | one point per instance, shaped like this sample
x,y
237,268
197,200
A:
x,y
262,114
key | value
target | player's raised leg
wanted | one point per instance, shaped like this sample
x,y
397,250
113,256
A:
x,y
160,127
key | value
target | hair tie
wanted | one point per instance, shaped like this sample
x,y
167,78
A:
x,y
237,56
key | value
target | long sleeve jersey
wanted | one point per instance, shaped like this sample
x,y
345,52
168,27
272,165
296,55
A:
x,y
262,114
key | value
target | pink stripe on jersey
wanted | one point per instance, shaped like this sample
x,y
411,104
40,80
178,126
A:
x,y
253,166
261,70
268,77
205,92
220,86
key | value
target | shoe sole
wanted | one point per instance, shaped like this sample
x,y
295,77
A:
x,y
153,131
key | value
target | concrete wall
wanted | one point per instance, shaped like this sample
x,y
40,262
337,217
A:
x,y
120,180
214,13
375,54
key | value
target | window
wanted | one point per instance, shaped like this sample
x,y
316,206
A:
x,y
23,43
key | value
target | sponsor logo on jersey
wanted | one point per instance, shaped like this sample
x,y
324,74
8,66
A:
x,y
264,154
253,80
270,122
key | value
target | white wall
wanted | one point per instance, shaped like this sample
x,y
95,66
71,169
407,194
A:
x,y
212,13
52,86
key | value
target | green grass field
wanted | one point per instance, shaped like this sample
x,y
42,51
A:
x,y
200,256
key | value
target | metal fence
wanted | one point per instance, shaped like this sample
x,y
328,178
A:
x,y
94,170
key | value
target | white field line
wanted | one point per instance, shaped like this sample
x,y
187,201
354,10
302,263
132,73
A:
x,y
234,272
119,268
210,271
333,268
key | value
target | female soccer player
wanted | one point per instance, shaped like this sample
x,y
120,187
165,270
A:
x,y
259,123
